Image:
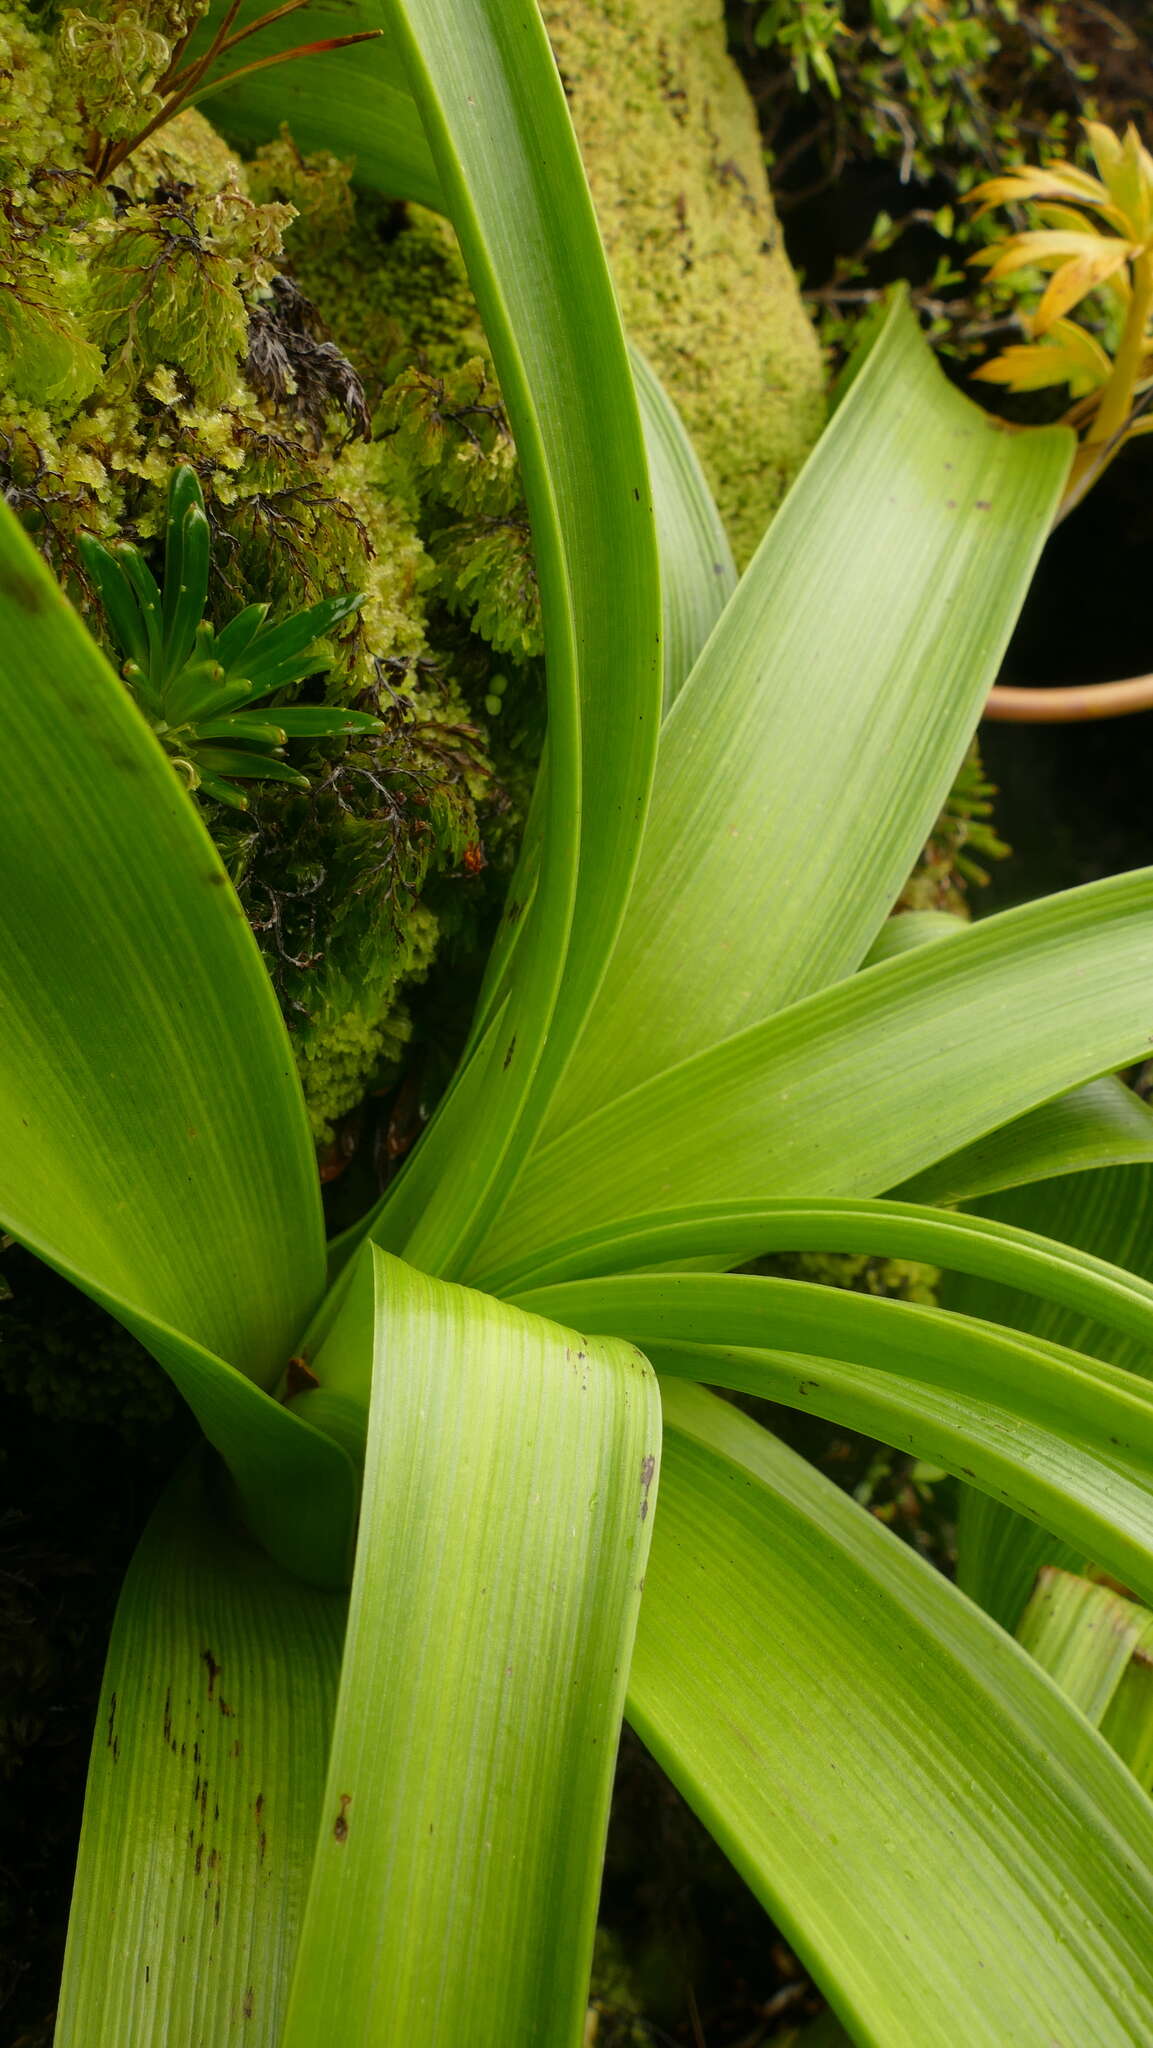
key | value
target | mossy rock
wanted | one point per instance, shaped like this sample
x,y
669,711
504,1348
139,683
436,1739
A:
x,y
677,171
317,357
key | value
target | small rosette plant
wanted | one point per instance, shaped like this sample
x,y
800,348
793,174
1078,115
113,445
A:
x,y
203,692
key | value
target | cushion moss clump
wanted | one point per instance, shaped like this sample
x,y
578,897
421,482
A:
x,y
669,139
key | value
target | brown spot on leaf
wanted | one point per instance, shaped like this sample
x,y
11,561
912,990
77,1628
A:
x,y
648,1470
340,1824
299,1377
213,1669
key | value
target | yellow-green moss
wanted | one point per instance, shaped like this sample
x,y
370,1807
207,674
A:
x,y
390,278
675,163
158,319
615,2016
898,1279
193,310
362,1032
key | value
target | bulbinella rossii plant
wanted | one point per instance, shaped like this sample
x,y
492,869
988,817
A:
x,y
464,1497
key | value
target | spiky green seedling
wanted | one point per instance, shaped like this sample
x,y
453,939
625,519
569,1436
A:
x,y
197,687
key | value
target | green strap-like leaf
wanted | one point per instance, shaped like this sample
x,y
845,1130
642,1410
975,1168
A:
x,y
698,574
354,102
1084,1635
485,81
297,1486
1011,1443
1063,1437
909,928
822,727
153,1139
1102,1124
999,1554
1105,1215
950,1848
511,1467
1128,1724
204,1792
1099,1648
980,1245
1109,1214
863,1085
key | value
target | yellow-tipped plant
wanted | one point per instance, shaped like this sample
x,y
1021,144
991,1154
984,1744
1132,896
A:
x,y
1096,235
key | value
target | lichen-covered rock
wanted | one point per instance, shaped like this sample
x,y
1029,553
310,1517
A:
x,y
677,172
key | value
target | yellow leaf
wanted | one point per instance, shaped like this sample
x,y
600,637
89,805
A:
x,y
1002,258
1062,217
1024,367
1127,168
1057,180
1044,248
1083,348
1106,147
1082,275
1135,183
1068,355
